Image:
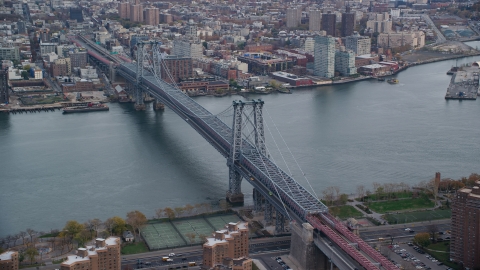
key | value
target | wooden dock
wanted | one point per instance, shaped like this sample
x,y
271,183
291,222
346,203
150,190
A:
x,y
15,110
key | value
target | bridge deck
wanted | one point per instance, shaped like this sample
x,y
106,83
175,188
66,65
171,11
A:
x,y
295,197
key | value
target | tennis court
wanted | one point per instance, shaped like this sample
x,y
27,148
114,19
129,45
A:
x,y
199,226
162,235
418,216
219,222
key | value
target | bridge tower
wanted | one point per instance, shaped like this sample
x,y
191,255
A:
x,y
139,105
234,193
157,67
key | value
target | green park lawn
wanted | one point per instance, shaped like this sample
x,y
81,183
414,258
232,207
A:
x,y
345,211
134,248
440,251
406,204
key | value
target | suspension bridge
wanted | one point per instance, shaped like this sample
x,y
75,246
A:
x,y
276,193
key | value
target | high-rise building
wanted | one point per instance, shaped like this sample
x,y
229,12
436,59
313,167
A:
x,y
345,62
359,44
231,242
78,59
309,45
136,13
314,20
105,255
293,18
380,26
348,23
329,23
324,63
178,67
22,29
8,259
124,10
152,16
415,39
187,48
9,53
191,29
465,242
4,90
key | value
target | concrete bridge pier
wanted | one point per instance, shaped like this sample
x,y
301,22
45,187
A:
x,y
303,251
158,106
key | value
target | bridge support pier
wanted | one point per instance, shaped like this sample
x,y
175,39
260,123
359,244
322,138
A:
x,y
234,193
158,106
279,223
139,105
268,213
303,251
257,201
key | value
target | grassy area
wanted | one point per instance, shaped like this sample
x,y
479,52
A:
x,y
35,100
418,216
58,261
134,248
440,251
383,196
389,206
255,267
345,211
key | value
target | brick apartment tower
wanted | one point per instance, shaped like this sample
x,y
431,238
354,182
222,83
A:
x,y
329,21
105,255
465,242
9,260
4,86
231,242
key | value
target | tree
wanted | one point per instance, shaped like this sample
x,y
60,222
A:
x,y
179,211
116,225
328,195
432,229
31,252
31,233
342,199
25,75
72,229
96,224
23,235
159,213
422,239
26,67
191,237
189,208
361,191
136,219
169,212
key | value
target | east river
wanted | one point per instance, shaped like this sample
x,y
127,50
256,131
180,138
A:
x,y
55,167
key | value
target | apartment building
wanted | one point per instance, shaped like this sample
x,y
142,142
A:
x,y
178,68
465,242
9,259
105,255
314,20
329,23
4,87
415,39
345,62
232,242
360,45
324,63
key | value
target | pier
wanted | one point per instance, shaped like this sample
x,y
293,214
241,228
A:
x,y
15,110
464,84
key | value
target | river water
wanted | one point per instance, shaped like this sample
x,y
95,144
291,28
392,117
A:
x,y
58,167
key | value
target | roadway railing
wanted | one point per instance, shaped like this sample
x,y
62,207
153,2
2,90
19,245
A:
x,y
344,245
362,245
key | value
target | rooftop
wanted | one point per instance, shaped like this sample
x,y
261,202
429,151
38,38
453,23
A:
x,y
6,255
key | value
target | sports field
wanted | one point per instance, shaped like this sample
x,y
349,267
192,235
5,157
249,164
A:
x,y
176,233
417,216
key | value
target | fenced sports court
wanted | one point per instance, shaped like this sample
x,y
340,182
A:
x,y
179,232
417,216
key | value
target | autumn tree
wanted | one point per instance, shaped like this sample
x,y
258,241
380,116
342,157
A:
x,y
329,195
179,211
116,225
191,237
31,253
96,223
169,212
422,239
159,213
136,219
31,233
432,229
361,192
23,235
189,208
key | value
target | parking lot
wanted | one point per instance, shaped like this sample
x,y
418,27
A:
x,y
411,255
